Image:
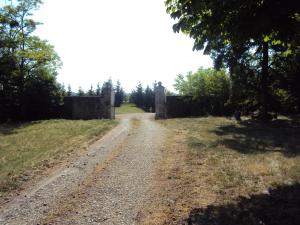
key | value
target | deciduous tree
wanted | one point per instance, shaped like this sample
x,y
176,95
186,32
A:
x,y
227,30
25,61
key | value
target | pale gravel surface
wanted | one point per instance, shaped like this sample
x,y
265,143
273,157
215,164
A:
x,y
110,185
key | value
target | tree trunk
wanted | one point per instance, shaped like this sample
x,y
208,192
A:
x,y
21,91
264,82
233,93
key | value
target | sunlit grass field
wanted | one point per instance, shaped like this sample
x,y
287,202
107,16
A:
x,y
128,108
28,148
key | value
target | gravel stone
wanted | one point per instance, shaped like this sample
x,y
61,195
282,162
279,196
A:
x,y
112,187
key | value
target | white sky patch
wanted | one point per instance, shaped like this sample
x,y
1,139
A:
x,y
130,41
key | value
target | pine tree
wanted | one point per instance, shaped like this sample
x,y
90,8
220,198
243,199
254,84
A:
x,y
80,92
91,92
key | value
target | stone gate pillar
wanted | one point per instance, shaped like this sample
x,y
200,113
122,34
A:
x,y
160,102
108,96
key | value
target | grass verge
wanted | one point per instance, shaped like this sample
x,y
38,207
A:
x,y
27,149
217,171
128,108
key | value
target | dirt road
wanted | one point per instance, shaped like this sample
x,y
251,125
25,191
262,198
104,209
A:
x,y
109,185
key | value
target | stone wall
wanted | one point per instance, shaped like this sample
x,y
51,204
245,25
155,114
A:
x,y
183,106
90,107
108,99
160,102
176,106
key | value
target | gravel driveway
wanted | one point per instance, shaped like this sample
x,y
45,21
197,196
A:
x,y
109,185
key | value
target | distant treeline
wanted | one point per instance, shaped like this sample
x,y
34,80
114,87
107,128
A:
x,y
119,91
28,69
262,70
144,98
218,93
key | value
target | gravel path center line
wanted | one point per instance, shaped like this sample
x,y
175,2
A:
x,y
121,191
115,195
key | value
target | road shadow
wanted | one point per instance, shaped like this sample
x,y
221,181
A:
x,y
280,206
253,137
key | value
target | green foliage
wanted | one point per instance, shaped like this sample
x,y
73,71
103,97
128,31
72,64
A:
x,y
245,37
205,82
137,96
27,66
91,92
108,83
149,99
207,86
69,91
119,95
285,83
143,98
213,25
80,92
98,90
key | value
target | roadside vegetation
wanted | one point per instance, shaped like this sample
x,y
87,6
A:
x,y
128,108
144,98
29,65
29,148
262,61
217,171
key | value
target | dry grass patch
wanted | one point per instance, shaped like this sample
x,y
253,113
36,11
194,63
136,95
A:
x,y
217,171
27,149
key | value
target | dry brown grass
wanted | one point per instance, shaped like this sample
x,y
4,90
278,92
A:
x,y
210,163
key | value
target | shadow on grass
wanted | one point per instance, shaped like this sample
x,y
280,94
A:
x,y
12,128
253,137
281,206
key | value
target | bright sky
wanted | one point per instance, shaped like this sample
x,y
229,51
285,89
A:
x,y
130,41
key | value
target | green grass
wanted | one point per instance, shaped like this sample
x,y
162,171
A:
x,y
28,148
128,108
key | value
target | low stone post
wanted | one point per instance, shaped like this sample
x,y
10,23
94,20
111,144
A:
x,y
160,102
108,95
